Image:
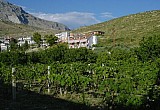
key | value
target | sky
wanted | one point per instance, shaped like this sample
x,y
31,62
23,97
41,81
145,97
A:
x,y
78,13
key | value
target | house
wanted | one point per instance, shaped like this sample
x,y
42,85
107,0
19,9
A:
x,y
92,40
4,43
22,41
3,46
44,42
7,40
77,40
82,40
98,32
63,36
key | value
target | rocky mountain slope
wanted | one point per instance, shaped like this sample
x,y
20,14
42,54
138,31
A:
x,y
127,31
15,14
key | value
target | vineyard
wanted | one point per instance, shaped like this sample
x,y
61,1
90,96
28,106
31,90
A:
x,y
115,79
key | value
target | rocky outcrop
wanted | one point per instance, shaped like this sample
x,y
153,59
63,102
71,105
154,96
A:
x,y
15,14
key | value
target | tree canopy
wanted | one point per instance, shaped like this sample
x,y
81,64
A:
x,y
51,39
37,38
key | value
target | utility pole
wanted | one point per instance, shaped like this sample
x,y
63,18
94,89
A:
x,y
48,79
13,84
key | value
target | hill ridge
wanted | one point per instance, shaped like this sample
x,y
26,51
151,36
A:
x,y
127,30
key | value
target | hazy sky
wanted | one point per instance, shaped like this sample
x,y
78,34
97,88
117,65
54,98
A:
x,y
76,13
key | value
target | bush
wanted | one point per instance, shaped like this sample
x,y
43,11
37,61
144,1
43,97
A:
x,y
149,48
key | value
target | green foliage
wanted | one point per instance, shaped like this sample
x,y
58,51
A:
x,y
13,58
25,46
5,78
60,53
149,48
37,38
118,77
13,44
51,40
81,54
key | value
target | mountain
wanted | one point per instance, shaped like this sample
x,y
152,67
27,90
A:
x,y
15,14
127,31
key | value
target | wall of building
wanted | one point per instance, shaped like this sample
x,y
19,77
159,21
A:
x,y
92,41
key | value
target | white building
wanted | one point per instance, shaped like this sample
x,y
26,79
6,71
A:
x,y
22,41
92,41
82,41
77,40
63,36
44,42
4,43
3,46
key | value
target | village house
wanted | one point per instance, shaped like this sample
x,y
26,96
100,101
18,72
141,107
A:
x,y
4,43
74,40
87,39
44,42
63,36
22,40
3,47
82,40
98,32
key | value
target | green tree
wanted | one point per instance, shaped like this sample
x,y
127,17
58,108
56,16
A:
x,y
149,48
25,46
37,38
51,40
13,44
